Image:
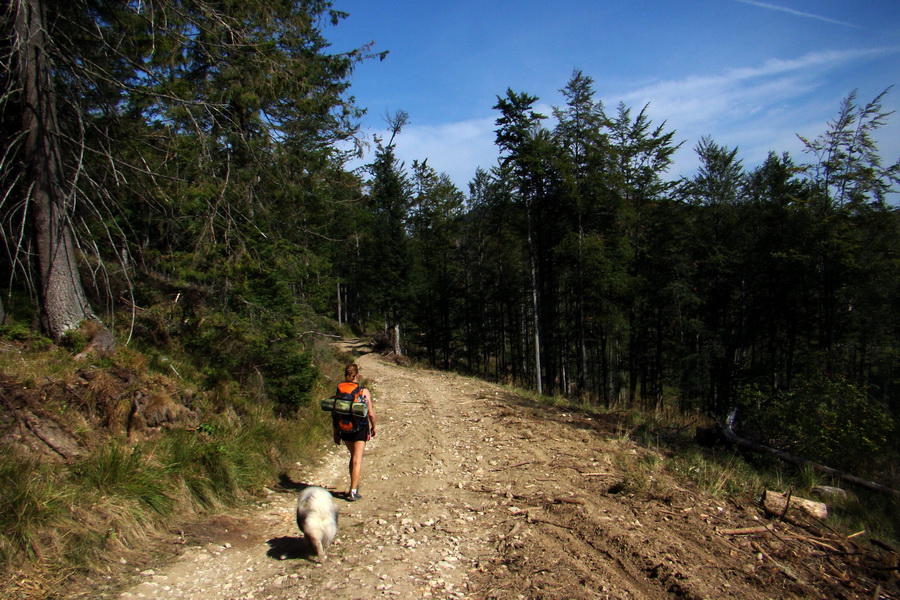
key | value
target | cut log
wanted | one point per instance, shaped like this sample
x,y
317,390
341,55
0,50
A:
x,y
774,503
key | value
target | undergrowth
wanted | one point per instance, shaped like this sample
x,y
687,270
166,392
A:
x,y
60,518
64,520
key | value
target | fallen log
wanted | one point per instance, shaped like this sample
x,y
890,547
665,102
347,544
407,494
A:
x,y
778,504
734,438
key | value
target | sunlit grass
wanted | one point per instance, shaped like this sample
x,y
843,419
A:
x,y
76,516
115,470
30,498
720,475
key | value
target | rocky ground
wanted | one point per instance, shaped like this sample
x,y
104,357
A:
x,y
470,493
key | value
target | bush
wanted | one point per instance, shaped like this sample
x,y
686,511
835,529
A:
x,y
289,376
828,421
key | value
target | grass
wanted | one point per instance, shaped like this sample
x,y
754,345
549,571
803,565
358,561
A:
x,y
75,517
60,521
29,500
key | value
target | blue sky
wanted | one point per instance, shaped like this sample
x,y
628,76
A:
x,y
750,74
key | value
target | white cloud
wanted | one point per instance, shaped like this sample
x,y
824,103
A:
x,y
455,148
743,90
797,13
757,109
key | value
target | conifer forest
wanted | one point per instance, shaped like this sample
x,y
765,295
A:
x,y
176,172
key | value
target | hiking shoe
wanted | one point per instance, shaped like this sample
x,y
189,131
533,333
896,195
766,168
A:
x,y
353,496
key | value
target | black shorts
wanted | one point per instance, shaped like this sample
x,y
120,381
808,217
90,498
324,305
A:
x,y
356,436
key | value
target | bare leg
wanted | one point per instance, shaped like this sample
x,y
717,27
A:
x,y
356,454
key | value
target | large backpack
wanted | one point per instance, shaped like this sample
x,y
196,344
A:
x,y
350,415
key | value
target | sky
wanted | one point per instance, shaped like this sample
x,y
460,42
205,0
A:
x,y
750,75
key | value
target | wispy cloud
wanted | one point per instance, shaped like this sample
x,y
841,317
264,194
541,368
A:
x,y
741,92
758,108
797,13
456,148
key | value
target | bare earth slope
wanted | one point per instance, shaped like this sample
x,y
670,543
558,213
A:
x,y
468,493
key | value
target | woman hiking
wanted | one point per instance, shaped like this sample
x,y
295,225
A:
x,y
356,431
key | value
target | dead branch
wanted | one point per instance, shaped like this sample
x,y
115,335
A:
x,y
748,530
578,501
521,464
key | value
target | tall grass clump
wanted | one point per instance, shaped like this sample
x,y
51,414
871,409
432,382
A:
x,y
719,474
875,513
115,470
65,518
29,500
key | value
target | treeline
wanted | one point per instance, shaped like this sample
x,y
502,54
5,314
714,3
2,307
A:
x,y
577,268
171,172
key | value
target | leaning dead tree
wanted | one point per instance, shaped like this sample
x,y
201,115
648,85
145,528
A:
x,y
728,433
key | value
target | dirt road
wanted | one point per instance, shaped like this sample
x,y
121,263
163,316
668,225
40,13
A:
x,y
471,494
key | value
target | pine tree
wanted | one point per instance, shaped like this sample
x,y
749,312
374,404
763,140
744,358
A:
x,y
385,270
160,127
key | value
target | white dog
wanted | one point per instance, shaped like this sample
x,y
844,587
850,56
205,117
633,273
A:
x,y
317,517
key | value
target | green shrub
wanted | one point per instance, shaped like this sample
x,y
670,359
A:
x,y
828,421
17,332
289,376
74,340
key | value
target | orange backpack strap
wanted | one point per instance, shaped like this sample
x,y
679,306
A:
x,y
348,387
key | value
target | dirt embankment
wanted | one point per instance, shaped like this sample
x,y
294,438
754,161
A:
x,y
470,494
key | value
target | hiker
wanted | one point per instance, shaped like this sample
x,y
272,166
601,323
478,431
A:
x,y
354,432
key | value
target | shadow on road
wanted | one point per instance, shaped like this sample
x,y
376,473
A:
x,y
290,548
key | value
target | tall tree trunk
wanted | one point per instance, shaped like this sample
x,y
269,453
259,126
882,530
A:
x,y
539,382
535,306
63,304
340,306
395,337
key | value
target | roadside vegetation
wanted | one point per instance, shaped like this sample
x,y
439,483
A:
x,y
103,454
729,472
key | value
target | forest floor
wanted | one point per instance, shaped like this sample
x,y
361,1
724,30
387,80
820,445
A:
x,y
470,492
